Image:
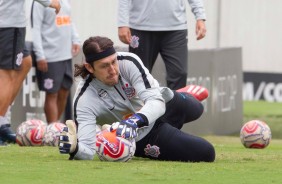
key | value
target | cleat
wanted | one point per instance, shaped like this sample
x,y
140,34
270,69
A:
x,y
199,92
6,134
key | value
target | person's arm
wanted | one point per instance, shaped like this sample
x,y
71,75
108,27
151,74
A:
x,y
200,29
124,32
82,147
51,3
86,134
75,40
37,18
78,142
148,90
197,8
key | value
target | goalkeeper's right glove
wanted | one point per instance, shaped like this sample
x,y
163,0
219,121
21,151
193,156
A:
x,y
128,128
68,138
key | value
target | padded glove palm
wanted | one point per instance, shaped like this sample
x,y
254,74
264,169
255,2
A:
x,y
68,138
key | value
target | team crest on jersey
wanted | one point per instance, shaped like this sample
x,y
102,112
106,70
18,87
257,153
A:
x,y
129,91
108,101
134,42
48,83
102,93
19,59
153,151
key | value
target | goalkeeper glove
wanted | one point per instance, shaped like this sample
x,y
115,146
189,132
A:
x,y
68,138
198,92
128,128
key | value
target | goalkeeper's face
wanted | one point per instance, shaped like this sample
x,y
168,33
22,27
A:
x,y
106,70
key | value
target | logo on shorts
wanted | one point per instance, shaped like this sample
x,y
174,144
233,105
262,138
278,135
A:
x,y
153,151
134,42
129,91
19,59
48,83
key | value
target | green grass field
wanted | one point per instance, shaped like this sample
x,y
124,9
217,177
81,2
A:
x,y
234,163
271,113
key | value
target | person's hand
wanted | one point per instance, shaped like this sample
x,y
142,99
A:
x,y
75,49
42,65
106,127
56,5
200,29
128,128
68,138
124,34
125,129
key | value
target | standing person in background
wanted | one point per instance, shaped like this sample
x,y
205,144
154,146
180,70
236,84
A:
x,y
55,42
151,27
13,66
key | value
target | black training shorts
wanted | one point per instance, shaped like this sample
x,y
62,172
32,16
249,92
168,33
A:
x,y
11,47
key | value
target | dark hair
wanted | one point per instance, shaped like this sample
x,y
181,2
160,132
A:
x,y
94,44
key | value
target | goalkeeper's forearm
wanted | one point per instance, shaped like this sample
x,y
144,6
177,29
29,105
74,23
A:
x,y
84,152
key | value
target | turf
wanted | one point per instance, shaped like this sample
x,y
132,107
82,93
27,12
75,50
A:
x,y
233,164
271,113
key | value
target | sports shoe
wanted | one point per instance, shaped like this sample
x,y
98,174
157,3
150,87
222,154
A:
x,y
199,92
6,134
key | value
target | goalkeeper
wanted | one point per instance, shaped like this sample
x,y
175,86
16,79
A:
x,y
117,89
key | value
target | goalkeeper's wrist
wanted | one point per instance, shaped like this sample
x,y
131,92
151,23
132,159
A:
x,y
142,120
74,152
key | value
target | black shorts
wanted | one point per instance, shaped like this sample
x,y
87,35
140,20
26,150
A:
x,y
26,51
167,142
59,75
171,45
11,47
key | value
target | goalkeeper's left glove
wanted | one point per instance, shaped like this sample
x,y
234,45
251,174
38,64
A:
x,y
68,138
128,128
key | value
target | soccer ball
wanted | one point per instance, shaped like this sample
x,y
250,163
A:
x,y
98,129
51,137
109,147
30,133
255,134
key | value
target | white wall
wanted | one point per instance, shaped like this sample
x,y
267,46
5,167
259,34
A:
x,y
254,25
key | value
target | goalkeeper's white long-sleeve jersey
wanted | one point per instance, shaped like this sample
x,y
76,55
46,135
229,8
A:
x,y
97,103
